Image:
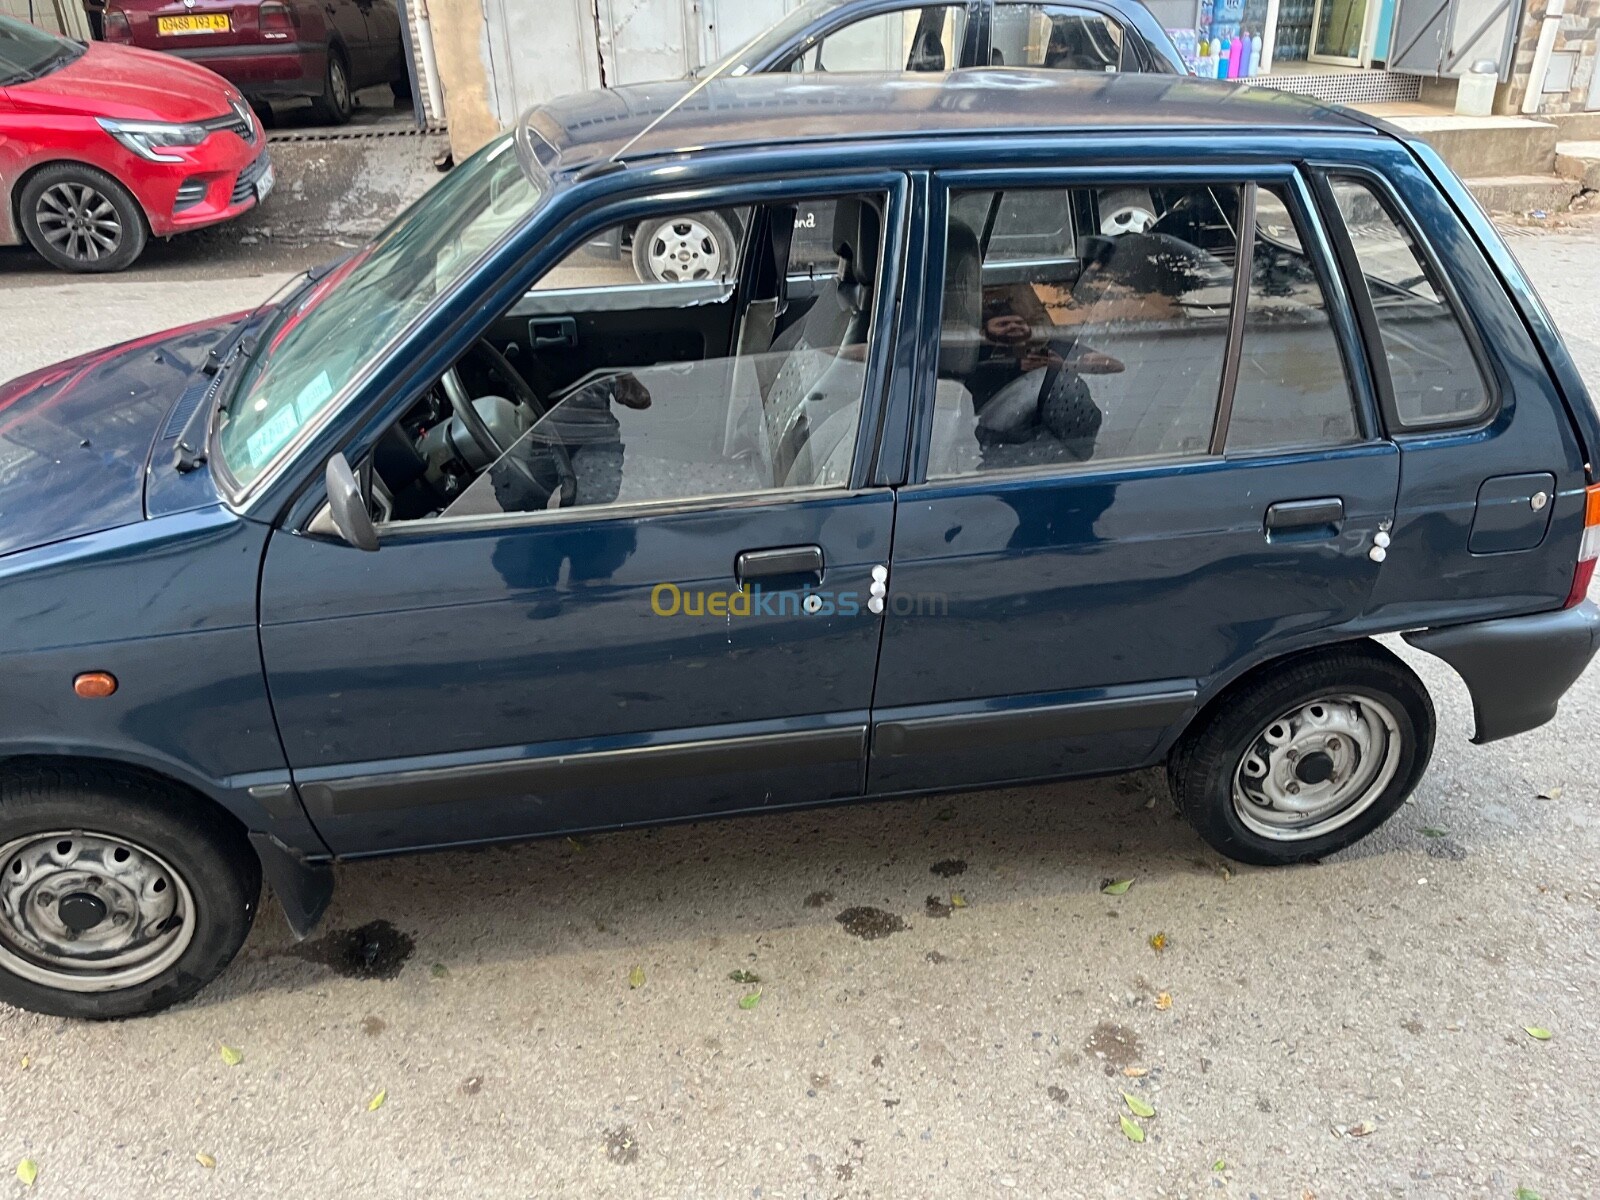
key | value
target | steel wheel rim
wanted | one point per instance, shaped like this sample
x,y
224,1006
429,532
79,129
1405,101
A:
x,y
90,912
79,221
683,250
1316,767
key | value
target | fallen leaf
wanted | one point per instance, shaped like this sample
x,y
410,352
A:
x,y
1138,1107
376,1102
205,1160
1552,793
744,977
1164,1001
749,1001
27,1171
636,977
1537,1032
1523,1193
1434,832
1361,1130
439,971
1131,1130
1227,874
26,1062
1136,1072
1219,1165
1158,942
231,1057
957,900
575,844
1117,887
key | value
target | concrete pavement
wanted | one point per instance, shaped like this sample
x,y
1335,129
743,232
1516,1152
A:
x,y
1350,1029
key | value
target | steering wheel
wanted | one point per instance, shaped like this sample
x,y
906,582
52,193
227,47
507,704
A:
x,y
523,396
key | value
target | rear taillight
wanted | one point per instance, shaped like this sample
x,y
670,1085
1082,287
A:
x,y
277,22
116,27
1588,549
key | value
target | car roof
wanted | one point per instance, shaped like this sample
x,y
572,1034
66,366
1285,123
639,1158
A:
x,y
656,120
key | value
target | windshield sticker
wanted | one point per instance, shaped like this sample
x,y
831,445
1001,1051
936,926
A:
x,y
313,396
264,442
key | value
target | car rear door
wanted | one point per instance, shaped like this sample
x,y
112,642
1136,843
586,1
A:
x,y
1137,471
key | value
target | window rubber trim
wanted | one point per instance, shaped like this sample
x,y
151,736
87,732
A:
x,y
1243,268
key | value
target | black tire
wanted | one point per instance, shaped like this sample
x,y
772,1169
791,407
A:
x,y
1205,765
705,236
337,102
202,847
69,213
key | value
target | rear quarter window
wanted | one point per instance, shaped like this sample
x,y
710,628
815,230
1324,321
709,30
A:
x,y
1434,370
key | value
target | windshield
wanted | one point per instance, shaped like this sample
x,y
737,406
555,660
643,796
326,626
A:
x,y
745,58
26,52
326,336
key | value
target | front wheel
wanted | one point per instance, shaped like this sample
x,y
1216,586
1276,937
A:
x,y
1306,758
684,249
81,219
116,898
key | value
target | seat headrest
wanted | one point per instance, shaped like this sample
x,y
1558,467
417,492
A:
x,y
857,236
961,329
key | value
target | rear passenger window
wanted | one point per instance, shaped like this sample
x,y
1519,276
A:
x,y
1292,388
1058,37
1091,345
1435,374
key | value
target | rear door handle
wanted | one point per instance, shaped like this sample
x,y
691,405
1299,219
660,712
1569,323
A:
x,y
785,562
1288,516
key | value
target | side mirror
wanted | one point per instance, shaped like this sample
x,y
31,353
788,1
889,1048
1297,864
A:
x,y
348,507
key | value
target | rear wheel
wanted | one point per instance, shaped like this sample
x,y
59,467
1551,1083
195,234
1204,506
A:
x,y
81,219
116,898
1306,758
337,102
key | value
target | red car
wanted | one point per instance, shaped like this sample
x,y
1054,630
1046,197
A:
x,y
103,147
324,50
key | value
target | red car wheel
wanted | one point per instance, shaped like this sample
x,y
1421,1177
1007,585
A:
x,y
80,219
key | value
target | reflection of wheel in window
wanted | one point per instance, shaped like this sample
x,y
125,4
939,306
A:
x,y
682,249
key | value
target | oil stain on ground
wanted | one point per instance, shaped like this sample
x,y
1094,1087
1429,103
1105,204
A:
x,y
870,924
376,950
948,867
1115,1046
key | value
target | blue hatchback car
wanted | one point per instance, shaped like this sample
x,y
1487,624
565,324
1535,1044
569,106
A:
x,y
1131,409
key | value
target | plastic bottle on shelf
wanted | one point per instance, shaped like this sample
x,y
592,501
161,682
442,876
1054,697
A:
x,y
1222,58
1255,56
1235,56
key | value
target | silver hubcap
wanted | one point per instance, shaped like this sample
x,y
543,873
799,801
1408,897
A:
x,y
1316,767
340,85
682,250
79,221
87,912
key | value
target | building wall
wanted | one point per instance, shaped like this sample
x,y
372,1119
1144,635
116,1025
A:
x,y
1572,61
58,16
497,58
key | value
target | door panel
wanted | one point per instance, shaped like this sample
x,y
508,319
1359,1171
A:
x,y
1150,465
481,673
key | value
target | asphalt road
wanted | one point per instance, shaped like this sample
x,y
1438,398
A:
x,y
1350,1029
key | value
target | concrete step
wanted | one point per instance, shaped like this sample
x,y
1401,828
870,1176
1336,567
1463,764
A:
x,y
1524,193
1575,127
1580,161
1486,147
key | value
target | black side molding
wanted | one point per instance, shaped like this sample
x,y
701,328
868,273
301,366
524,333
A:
x,y
964,731
1517,668
303,888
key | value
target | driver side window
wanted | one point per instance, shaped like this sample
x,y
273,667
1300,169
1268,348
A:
x,y
602,388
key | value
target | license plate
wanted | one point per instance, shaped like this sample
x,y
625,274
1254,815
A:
x,y
201,23
264,184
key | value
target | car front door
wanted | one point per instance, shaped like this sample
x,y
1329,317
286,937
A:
x,y
1142,469
683,630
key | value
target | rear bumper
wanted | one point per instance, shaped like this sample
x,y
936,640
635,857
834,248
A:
x,y
1517,668
276,72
